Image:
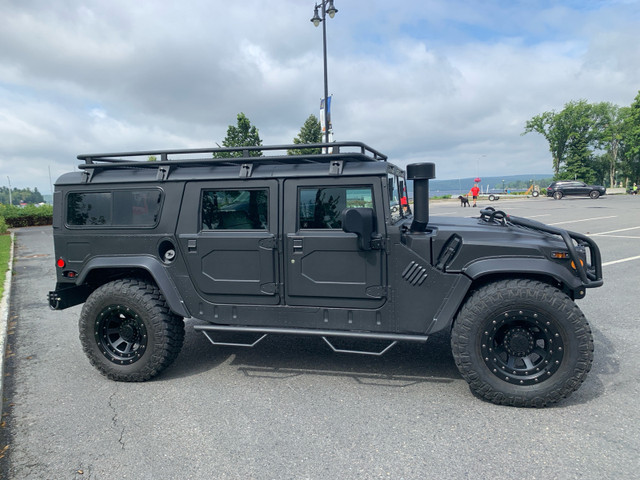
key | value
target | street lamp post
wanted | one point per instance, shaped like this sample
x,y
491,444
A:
x,y
10,199
327,7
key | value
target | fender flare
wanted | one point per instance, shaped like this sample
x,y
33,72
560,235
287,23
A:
x,y
155,268
538,266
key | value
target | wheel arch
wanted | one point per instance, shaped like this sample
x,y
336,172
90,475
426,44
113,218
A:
x,y
101,270
492,269
485,272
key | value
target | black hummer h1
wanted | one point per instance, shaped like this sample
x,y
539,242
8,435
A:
x,y
320,244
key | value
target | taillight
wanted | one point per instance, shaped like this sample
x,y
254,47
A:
x,y
61,263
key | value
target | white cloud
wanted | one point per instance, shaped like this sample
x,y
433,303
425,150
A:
x,y
419,80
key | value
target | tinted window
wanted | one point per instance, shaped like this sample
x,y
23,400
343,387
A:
x,y
321,207
235,210
139,208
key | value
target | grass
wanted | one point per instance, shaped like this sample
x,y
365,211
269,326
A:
x,y
5,248
440,197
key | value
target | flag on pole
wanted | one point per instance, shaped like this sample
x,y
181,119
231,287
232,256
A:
x,y
325,120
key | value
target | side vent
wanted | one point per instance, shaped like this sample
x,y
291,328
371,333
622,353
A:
x,y
415,274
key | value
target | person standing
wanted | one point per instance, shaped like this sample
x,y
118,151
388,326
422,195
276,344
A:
x,y
475,190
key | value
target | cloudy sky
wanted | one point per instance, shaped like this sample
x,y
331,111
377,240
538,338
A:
x,y
447,81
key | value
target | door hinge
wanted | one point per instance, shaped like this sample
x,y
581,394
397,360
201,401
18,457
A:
x,y
268,243
377,242
269,288
376,291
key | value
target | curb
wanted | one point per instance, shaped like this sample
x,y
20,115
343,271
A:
x,y
4,311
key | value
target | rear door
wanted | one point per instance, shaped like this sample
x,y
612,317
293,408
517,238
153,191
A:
x,y
228,239
324,265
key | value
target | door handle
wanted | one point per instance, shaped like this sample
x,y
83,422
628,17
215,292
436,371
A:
x,y
192,246
297,245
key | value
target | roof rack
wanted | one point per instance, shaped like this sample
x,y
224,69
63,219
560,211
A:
x,y
271,154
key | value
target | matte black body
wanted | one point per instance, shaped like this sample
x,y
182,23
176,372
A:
x,y
408,277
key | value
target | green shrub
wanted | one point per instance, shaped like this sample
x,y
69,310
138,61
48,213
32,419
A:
x,y
28,216
3,226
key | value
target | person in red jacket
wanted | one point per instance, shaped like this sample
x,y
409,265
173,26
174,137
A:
x,y
475,190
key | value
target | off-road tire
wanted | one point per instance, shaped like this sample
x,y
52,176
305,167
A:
x,y
557,195
594,194
522,343
128,332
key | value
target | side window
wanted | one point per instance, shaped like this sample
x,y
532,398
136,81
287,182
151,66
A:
x,y
235,209
394,198
89,208
321,207
398,200
139,208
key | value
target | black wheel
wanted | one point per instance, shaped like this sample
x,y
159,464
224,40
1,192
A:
x,y
522,343
557,195
594,194
535,194
492,198
128,332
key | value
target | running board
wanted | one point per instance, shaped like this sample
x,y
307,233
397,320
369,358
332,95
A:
x,y
392,338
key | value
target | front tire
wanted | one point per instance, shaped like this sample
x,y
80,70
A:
x,y
522,343
128,332
594,194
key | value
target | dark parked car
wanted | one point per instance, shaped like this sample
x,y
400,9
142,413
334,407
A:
x,y
565,188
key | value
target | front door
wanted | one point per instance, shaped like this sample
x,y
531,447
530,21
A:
x,y
324,266
229,241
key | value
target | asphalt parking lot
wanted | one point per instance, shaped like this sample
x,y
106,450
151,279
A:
x,y
292,409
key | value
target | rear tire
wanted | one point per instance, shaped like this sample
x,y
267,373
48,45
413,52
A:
x,y
594,194
128,332
557,195
522,343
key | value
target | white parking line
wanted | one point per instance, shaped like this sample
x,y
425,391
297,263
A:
x,y
621,261
615,231
583,220
620,236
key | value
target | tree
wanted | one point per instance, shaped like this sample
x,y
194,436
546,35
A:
x,y
311,132
242,135
571,134
631,141
552,127
611,127
20,195
580,119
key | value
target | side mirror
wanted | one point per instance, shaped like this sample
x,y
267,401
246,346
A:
x,y
360,221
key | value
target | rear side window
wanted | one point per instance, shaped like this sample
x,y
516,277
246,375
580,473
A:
x,y
119,208
235,209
